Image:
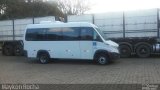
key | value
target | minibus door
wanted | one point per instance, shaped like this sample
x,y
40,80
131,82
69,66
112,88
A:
x,y
86,43
71,42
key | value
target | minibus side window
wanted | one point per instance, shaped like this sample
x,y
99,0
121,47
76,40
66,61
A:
x,y
96,37
54,34
70,33
35,34
86,33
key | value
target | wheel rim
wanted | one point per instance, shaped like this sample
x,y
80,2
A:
x,y
7,50
43,59
17,50
102,60
123,50
143,51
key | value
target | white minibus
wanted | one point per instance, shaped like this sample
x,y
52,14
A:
x,y
72,40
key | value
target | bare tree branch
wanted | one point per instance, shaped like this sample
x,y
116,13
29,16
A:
x,y
74,7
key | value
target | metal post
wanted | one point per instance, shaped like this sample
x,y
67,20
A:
x,y
123,25
158,23
65,18
33,20
13,29
93,21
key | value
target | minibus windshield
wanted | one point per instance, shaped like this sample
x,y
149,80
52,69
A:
x,y
102,34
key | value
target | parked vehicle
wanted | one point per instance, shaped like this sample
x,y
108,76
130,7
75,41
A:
x,y
136,32
74,40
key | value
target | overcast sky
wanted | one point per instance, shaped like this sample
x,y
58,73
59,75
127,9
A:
x,y
99,6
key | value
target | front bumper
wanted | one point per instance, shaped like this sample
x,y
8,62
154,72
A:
x,y
114,56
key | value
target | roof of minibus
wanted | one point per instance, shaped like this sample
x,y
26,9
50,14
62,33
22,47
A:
x,y
61,24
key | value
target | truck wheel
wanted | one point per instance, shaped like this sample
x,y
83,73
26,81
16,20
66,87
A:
x,y
44,58
102,59
8,50
143,51
125,51
18,50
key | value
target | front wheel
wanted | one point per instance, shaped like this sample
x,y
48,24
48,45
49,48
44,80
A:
x,y
44,58
102,59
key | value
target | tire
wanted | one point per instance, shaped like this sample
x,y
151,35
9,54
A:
x,y
125,51
18,50
143,51
102,59
44,58
8,50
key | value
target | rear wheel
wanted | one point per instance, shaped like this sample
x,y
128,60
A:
x,y
44,58
102,59
8,50
18,50
125,51
143,51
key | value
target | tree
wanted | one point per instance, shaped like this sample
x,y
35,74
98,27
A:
x,y
2,7
12,9
73,7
